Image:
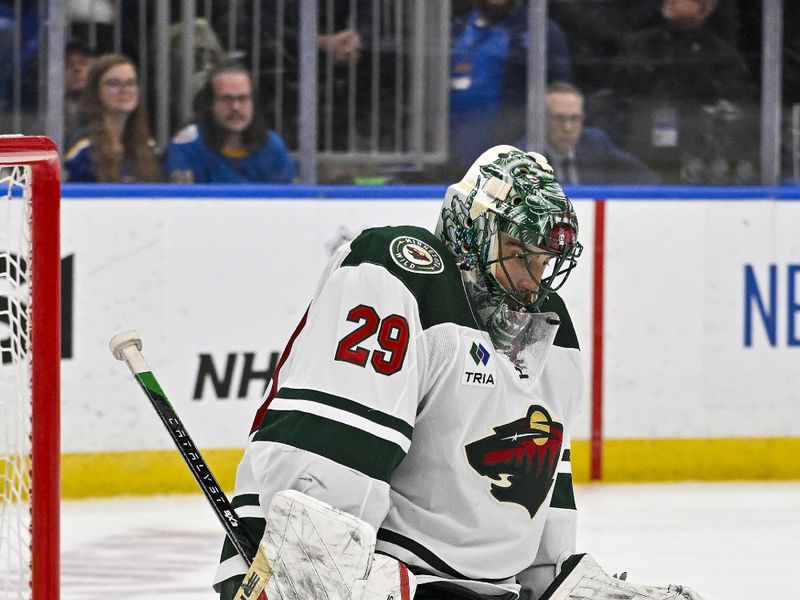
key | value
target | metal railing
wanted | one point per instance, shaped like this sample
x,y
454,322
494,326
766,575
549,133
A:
x,y
385,105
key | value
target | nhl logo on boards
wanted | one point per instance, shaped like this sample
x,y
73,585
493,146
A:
x,y
414,255
479,367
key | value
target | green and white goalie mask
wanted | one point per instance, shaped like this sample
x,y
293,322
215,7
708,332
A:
x,y
515,193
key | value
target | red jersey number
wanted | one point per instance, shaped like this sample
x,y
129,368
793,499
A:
x,y
392,336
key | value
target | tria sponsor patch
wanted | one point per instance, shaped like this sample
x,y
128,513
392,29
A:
x,y
479,366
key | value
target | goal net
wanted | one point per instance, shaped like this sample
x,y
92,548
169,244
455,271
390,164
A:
x,y
29,368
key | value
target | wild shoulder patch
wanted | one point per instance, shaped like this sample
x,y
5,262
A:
x,y
414,255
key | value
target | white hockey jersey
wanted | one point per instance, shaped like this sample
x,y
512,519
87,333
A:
x,y
389,402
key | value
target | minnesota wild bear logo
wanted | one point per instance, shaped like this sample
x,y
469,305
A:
x,y
414,255
520,458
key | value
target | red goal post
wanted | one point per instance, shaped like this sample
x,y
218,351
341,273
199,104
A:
x,y
30,353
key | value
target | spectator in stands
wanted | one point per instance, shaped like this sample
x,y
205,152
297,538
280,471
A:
x,y
683,45
673,79
341,44
207,53
595,29
78,60
488,76
229,143
94,19
116,145
344,32
581,154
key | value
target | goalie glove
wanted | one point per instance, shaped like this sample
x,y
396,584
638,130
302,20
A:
x,y
312,550
582,578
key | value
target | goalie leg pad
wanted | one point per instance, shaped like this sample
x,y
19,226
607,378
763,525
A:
x,y
581,577
317,551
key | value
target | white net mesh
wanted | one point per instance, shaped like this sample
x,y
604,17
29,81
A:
x,y
15,383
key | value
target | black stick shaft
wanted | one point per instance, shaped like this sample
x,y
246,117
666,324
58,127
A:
x,y
238,535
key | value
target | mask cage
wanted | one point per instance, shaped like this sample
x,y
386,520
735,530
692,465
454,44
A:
x,y
559,244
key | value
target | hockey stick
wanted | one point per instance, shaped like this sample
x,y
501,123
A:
x,y
126,346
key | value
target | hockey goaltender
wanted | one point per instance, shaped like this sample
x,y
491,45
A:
x,y
413,441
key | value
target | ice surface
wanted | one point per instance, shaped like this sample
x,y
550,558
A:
x,y
729,541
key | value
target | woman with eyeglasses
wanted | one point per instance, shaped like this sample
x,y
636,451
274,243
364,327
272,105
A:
x,y
116,144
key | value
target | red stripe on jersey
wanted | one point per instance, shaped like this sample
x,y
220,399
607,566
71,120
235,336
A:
x,y
405,591
274,388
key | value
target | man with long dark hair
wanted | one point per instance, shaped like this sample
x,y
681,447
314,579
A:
x,y
229,142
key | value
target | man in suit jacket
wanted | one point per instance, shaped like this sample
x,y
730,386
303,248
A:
x,y
585,155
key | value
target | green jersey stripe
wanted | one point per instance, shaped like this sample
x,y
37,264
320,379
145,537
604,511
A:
x,y
245,500
349,446
563,495
255,527
376,416
417,549
340,416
